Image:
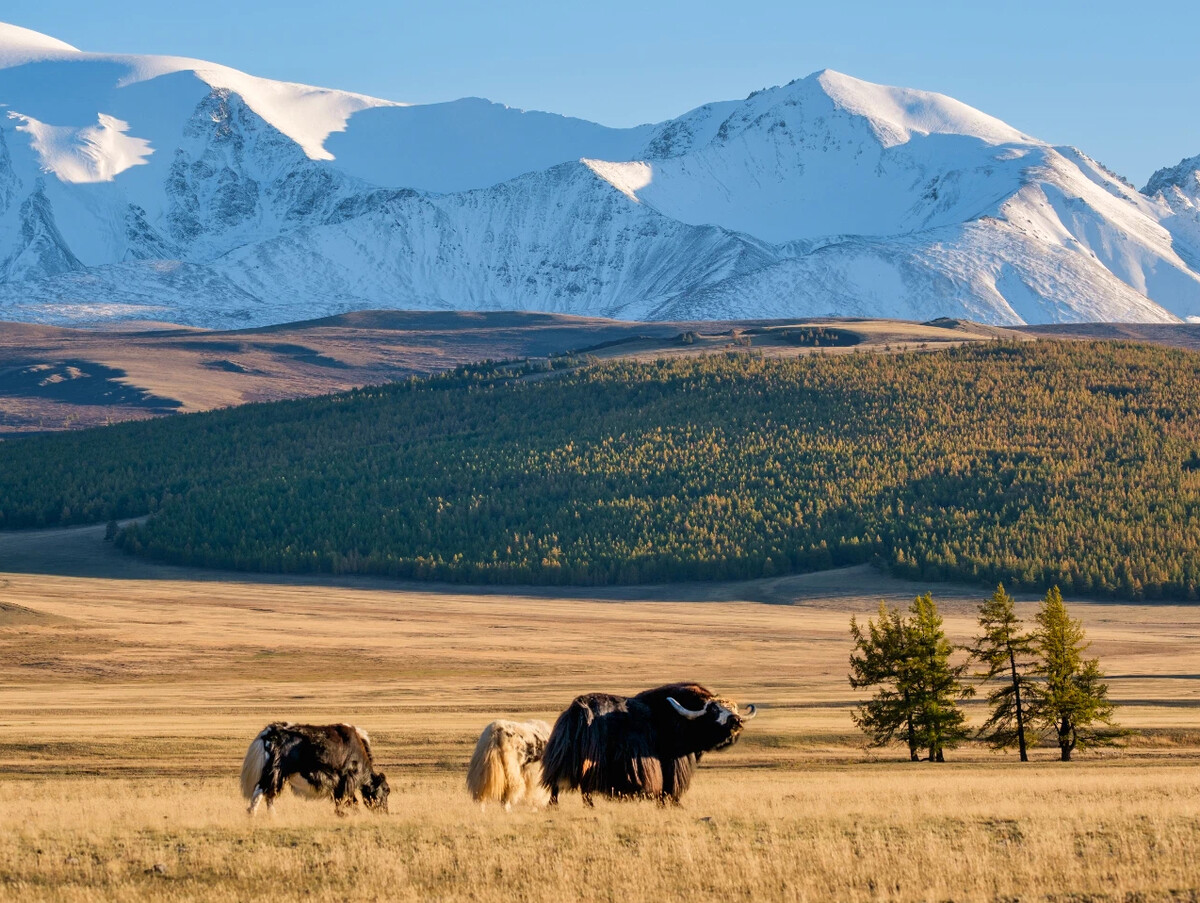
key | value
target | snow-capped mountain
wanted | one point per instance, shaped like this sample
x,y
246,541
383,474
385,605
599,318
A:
x,y
164,188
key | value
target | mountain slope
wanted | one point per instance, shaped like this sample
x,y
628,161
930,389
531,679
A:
x,y
519,244
169,188
1177,188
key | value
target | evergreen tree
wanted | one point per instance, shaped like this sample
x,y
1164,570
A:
x,y
1005,651
881,660
907,661
1071,697
700,468
935,684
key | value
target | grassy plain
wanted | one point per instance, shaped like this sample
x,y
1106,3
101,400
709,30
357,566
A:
x,y
128,693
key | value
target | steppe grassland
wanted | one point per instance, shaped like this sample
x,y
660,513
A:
x,y
867,832
126,705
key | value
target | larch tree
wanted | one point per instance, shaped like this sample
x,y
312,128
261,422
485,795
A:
x,y
1006,653
906,659
936,684
880,660
1070,697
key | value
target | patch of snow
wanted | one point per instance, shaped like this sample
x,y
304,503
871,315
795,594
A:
x,y
94,153
627,178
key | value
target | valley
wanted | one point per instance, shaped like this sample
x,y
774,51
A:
x,y
129,691
402,417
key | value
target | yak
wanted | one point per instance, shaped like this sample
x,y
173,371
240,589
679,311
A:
x,y
317,760
507,764
646,745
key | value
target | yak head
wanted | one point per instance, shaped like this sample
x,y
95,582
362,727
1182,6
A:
x,y
712,722
375,792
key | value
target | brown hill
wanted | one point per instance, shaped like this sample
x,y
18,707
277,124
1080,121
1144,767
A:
x,y
53,378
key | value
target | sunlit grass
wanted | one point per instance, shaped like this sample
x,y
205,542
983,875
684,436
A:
x,y
864,833
126,706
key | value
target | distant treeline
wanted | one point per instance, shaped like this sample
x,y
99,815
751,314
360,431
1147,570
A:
x,y
1069,463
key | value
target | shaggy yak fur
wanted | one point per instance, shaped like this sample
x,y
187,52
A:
x,y
317,760
642,746
507,764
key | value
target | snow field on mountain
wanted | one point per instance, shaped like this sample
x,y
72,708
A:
x,y
174,189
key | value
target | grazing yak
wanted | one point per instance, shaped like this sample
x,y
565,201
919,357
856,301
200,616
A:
x,y
507,764
642,746
317,760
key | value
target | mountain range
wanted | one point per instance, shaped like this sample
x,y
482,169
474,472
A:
x,y
156,188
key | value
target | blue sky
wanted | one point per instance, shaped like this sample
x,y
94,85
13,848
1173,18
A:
x,y
1120,80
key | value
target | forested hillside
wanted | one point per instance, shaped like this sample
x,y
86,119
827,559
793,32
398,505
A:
x,y
1033,463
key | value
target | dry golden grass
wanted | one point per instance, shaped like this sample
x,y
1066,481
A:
x,y
126,704
900,832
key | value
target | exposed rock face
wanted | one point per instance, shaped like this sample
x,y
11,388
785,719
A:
x,y
39,249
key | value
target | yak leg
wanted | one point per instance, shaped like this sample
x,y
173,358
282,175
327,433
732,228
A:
x,y
553,796
270,785
343,795
255,800
268,788
587,800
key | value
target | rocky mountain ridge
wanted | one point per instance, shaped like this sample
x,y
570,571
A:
x,y
167,189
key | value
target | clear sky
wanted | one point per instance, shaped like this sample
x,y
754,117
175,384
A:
x,y
1119,79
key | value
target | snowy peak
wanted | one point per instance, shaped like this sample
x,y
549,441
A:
x,y
897,114
235,178
893,115
829,155
175,189
21,45
35,84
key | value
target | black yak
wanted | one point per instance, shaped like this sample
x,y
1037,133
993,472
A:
x,y
641,746
325,760
507,764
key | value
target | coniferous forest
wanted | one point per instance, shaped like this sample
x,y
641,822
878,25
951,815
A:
x,y
1040,463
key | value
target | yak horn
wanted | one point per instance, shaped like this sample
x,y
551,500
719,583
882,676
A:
x,y
751,711
686,713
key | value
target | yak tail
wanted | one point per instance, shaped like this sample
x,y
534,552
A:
x,y
564,762
494,774
254,764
